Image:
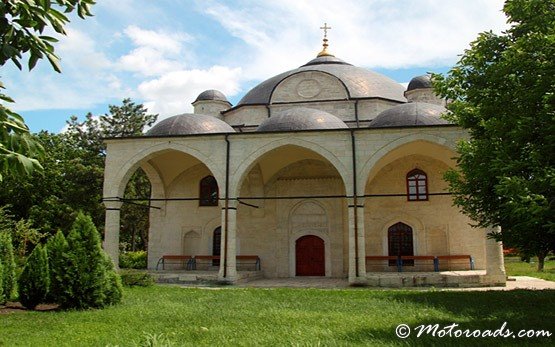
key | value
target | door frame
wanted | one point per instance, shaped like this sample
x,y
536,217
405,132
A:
x,y
293,237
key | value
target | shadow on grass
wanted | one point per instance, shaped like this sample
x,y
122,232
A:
x,y
511,310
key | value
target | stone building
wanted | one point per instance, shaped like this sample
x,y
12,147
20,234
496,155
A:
x,y
324,170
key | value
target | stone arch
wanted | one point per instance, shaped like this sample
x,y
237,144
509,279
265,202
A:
x,y
122,175
378,160
252,159
319,228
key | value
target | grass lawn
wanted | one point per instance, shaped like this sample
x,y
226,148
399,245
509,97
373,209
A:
x,y
283,317
515,267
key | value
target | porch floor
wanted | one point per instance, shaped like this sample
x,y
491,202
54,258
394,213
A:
x,y
200,277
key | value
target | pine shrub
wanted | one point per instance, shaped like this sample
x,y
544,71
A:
x,y
2,297
35,279
7,259
90,281
58,263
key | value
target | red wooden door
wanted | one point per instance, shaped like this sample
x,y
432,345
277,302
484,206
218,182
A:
x,y
310,256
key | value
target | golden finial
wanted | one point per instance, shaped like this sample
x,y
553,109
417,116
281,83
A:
x,y
324,51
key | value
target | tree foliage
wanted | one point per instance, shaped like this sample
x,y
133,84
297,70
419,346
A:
x,y
7,261
73,176
58,263
90,278
503,92
22,26
34,280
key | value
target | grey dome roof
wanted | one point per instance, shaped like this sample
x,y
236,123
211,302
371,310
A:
x,y
410,114
211,94
301,118
189,123
420,82
360,83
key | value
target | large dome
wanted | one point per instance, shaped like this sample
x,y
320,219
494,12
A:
x,y
410,114
301,118
189,123
359,82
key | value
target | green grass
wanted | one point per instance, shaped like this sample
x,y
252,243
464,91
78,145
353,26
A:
x,y
282,317
515,267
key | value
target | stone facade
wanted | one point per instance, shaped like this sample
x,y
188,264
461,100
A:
x,y
345,187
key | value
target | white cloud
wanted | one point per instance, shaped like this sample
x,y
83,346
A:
x,y
173,93
157,52
379,33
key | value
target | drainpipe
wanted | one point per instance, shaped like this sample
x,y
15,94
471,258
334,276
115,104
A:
x,y
226,201
355,197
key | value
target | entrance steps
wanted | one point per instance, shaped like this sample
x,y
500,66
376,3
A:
x,y
461,279
200,277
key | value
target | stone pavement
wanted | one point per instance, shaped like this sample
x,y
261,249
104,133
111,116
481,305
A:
x,y
515,282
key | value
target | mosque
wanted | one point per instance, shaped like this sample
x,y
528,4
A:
x,y
325,170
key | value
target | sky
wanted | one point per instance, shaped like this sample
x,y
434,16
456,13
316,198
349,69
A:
x,y
163,53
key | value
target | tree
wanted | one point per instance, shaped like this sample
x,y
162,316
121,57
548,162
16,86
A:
x,y
7,262
91,281
35,279
22,24
58,263
502,92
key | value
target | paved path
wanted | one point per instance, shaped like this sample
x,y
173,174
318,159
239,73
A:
x,y
515,282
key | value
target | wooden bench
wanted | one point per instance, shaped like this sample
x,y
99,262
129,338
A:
x,y
454,257
400,260
185,260
253,260
435,259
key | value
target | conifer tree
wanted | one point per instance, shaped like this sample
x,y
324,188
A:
x,y
58,263
8,265
2,298
34,280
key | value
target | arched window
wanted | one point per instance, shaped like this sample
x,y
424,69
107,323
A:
x,y
208,192
399,239
417,185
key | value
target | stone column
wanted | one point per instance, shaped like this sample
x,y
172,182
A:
x,y
361,242
355,279
495,263
229,256
111,230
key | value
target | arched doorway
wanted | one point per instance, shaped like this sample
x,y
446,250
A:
x,y
399,237
216,245
310,256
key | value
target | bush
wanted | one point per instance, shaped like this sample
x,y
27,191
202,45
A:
x,y
136,278
35,279
2,298
114,288
8,277
133,260
91,281
58,264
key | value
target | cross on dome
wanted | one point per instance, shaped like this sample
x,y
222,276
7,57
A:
x,y
324,51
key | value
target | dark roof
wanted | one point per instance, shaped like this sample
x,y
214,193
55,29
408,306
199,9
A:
x,y
211,94
189,123
410,114
420,82
301,118
360,83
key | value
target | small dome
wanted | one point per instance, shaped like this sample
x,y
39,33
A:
x,y
189,123
211,94
301,118
420,82
410,115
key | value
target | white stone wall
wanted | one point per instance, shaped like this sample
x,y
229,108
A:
x,y
309,86
304,164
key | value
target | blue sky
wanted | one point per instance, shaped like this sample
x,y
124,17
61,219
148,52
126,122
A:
x,y
163,53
